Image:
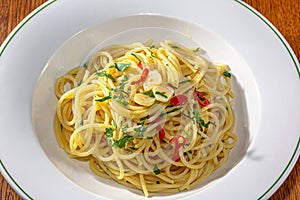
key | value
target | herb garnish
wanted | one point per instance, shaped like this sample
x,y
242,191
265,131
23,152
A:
x,y
104,98
198,119
106,75
109,134
161,94
197,49
140,130
80,82
136,57
123,141
120,90
120,66
119,98
149,93
175,109
156,170
227,74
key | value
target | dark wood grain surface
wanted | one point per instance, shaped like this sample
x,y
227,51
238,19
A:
x,y
284,14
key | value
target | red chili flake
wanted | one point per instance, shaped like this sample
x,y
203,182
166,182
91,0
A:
x,y
162,133
202,101
140,65
178,145
142,78
179,100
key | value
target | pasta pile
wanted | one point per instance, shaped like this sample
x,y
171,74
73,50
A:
x,y
157,118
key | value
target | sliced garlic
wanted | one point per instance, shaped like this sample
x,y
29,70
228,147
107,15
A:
x,y
143,99
162,94
153,79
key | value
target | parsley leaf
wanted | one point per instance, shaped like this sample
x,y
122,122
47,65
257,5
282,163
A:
x,y
120,100
80,82
103,98
161,94
106,75
123,141
140,129
156,170
121,66
136,57
109,134
149,93
227,74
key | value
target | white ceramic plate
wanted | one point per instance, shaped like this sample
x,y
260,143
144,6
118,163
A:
x,y
61,34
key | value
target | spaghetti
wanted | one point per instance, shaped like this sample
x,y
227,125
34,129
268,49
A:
x,y
157,118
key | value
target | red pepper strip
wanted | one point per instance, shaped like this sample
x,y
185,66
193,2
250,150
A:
x,y
178,145
162,133
202,101
142,78
140,65
179,100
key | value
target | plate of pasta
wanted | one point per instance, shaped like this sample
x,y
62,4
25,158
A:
x,y
147,102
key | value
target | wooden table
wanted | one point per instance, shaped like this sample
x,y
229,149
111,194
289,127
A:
x,y
284,14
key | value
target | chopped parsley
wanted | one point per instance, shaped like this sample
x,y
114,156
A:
x,y
197,49
196,118
123,141
80,82
123,82
161,94
101,74
133,148
120,91
140,129
120,66
103,98
156,170
202,122
149,93
152,54
81,122
119,98
109,134
142,120
227,74
175,109
136,57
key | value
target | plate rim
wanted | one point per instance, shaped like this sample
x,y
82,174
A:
x,y
268,191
